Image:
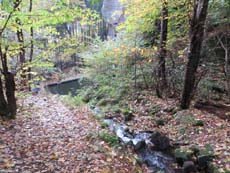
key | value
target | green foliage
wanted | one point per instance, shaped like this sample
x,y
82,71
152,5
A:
x,y
103,124
116,67
93,2
109,138
183,153
44,18
186,119
141,15
128,113
211,89
207,150
219,10
72,101
198,123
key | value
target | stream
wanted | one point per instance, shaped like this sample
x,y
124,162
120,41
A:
x,y
158,160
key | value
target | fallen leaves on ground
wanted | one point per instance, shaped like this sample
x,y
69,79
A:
x,y
178,125
48,137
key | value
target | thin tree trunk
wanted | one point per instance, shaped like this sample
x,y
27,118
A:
x,y
22,53
226,66
162,81
3,103
31,44
21,41
196,39
227,73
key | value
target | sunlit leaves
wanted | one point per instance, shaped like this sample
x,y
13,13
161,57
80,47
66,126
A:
x,y
141,15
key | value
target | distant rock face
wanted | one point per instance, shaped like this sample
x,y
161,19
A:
x,y
113,14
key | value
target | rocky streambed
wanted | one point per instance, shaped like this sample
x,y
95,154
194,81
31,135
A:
x,y
143,143
157,151
153,148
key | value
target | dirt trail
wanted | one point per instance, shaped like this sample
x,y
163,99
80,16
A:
x,y
48,137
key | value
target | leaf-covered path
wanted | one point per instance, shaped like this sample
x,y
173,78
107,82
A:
x,y
49,137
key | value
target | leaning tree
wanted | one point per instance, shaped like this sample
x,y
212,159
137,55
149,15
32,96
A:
x,y
197,24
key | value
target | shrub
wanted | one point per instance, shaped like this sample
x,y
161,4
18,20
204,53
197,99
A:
x,y
116,67
72,101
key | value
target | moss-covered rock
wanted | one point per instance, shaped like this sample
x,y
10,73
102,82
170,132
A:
x,y
183,155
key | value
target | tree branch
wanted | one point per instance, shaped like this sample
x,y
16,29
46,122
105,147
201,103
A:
x,y
17,3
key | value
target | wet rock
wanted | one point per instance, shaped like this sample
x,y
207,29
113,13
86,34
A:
x,y
138,144
122,134
189,167
160,141
203,161
142,142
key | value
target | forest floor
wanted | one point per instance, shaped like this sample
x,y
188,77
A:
x,y
206,126
49,137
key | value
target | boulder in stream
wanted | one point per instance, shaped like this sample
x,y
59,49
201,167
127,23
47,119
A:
x,y
160,141
189,167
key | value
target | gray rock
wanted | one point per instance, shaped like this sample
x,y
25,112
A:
x,y
138,144
203,161
189,167
35,90
160,141
113,13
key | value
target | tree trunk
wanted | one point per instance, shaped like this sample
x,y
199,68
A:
x,y
31,45
162,81
196,39
22,53
10,94
9,87
3,103
8,105
227,73
226,65
21,41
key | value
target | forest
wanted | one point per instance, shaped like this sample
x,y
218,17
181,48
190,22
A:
x,y
114,86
